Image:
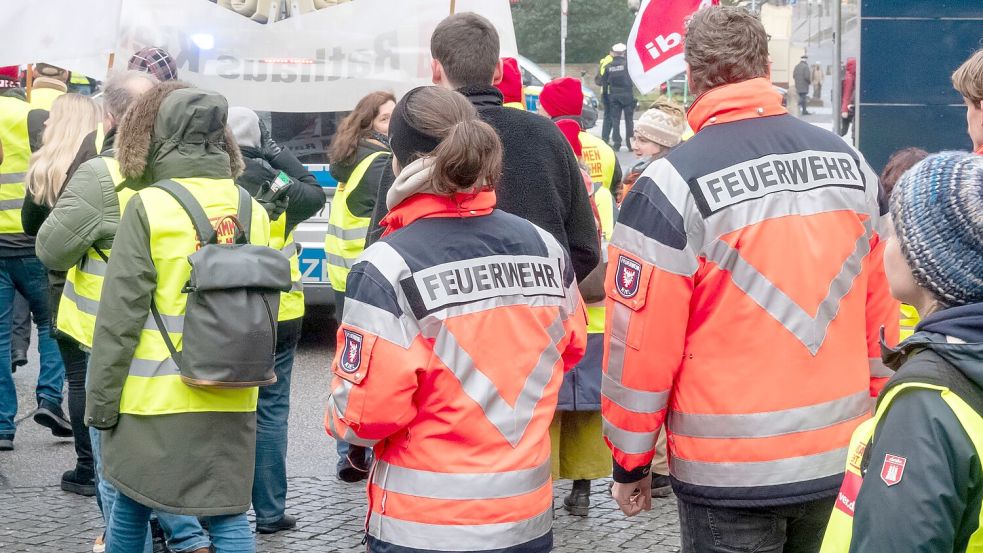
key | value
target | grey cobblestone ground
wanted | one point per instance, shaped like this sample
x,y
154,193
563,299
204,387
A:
x,y
330,517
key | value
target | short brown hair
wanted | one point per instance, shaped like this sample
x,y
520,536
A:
x,y
897,165
968,79
469,153
725,45
466,45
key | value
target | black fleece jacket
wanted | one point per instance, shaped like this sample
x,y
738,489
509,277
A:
x,y
306,197
935,505
541,180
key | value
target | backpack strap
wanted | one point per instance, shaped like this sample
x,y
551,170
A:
x,y
187,201
245,215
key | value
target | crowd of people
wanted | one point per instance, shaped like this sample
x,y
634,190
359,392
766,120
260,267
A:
x,y
514,307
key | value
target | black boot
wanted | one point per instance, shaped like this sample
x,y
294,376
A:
x,y
79,481
51,415
578,502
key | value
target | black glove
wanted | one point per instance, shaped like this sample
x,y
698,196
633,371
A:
x,y
268,146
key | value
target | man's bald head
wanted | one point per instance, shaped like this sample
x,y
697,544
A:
x,y
121,89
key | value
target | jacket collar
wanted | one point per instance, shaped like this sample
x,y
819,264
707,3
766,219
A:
x,y
424,206
735,102
482,95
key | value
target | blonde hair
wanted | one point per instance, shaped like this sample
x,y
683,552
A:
x,y
73,117
968,79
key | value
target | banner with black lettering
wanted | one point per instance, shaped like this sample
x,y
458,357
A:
x,y
655,45
60,32
320,61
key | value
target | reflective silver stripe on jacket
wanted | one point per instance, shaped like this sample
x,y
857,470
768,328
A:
x,y
618,340
809,330
339,261
349,436
174,323
878,369
632,443
12,178
638,401
297,286
348,234
93,266
759,473
460,486
510,421
459,537
10,205
289,250
771,423
150,368
669,259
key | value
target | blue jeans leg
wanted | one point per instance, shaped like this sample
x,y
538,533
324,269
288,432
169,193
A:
x,y
129,526
8,392
231,534
272,413
31,279
106,493
184,533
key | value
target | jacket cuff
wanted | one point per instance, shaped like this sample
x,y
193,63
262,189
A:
x,y
102,418
625,476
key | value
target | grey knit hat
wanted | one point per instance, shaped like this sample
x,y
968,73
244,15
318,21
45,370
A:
x,y
937,208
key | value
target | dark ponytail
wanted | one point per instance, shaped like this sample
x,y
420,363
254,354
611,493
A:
x,y
468,155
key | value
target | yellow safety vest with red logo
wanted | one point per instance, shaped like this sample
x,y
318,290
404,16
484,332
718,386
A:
x,y
839,531
599,159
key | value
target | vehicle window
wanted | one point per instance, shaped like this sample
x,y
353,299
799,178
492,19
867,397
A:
x,y
528,79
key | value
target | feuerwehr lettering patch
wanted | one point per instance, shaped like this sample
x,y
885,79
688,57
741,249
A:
x,y
893,469
627,277
351,356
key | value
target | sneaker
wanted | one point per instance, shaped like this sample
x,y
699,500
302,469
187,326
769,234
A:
x,y
79,481
6,442
18,358
661,486
286,523
50,415
100,545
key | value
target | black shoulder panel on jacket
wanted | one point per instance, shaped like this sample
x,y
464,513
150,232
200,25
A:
x,y
649,211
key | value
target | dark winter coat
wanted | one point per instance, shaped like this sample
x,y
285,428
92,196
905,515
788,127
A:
x,y
802,75
617,79
306,197
937,501
581,388
541,180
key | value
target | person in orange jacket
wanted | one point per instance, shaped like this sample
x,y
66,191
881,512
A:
x,y
460,429
746,292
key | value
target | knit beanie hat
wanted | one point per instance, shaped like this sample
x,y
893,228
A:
x,y
937,208
511,85
563,97
244,124
155,61
571,131
663,124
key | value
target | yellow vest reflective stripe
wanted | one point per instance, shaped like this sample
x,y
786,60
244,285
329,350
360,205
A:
x,y
909,320
44,98
83,284
153,385
345,239
599,158
839,532
605,209
292,302
15,138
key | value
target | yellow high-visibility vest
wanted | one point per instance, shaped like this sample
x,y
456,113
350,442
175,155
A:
x,y
839,531
79,302
345,239
44,98
292,302
14,136
153,385
599,158
605,209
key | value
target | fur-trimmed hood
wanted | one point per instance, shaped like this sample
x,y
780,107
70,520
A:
x,y
175,131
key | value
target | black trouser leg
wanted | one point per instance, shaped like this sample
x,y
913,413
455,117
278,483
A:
x,y
629,112
606,122
20,336
616,110
76,362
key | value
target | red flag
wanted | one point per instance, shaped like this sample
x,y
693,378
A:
x,y
655,46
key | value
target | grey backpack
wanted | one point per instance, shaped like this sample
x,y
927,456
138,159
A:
x,y
229,334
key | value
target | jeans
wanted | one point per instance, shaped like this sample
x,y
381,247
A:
x,y
795,528
76,364
128,529
272,412
183,532
20,337
622,106
28,276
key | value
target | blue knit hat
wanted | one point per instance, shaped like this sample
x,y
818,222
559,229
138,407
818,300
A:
x,y
937,208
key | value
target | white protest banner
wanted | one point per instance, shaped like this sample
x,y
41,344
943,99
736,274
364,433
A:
x,y
655,45
321,61
80,32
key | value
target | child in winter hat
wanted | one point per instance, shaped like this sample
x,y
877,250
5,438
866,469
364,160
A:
x,y
664,124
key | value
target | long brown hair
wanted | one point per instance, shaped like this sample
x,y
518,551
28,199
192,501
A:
x,y
469,156
356,126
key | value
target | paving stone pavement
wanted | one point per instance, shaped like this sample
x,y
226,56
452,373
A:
x,y
330,516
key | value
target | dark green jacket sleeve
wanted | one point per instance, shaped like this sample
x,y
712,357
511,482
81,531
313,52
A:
x,y
130,282
935,505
